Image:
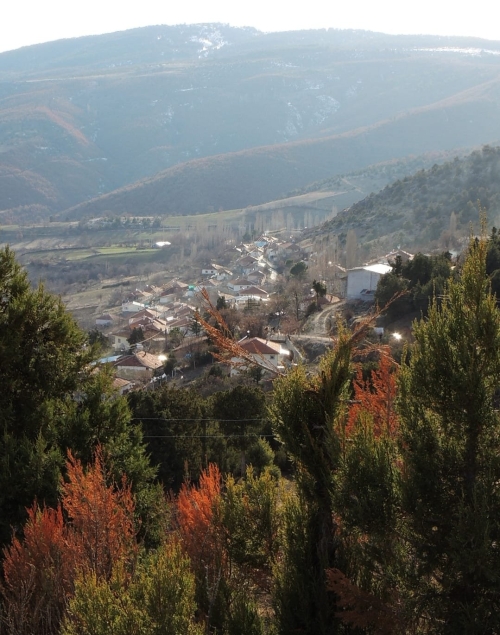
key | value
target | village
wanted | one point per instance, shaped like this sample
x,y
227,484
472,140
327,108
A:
x,y
265,292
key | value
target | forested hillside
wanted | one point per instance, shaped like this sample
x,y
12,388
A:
x,y
437,203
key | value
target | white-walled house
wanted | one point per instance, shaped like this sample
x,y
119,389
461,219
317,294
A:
x,y
132,307
240,285
122,386
209,271
362,281
141,315
139,365
120,340
255,291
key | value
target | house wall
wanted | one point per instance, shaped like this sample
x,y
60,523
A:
x,y
358,280
132,307
134,372
272,360
120,343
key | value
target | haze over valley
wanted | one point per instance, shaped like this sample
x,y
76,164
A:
x,y
202,135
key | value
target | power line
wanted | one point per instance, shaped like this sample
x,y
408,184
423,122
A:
x,y
205,436
196,420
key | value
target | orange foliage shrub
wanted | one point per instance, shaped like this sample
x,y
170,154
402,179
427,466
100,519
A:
x,y
39,573
376,397
196,508
40,569
102,516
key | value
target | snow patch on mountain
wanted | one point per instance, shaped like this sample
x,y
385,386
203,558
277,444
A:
x,y
328,106
471,51
294,123
209,39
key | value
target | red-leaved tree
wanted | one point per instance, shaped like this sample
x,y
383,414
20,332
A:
x,y
101,516
39,569
197,507
375,396
38,573
199,523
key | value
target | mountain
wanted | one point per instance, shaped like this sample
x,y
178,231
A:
x,y
194,118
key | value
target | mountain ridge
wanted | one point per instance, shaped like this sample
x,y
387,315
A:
x,y
227,117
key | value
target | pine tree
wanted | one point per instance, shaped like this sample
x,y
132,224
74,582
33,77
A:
x,y
307,413
42,353
52,399
367,503
451,465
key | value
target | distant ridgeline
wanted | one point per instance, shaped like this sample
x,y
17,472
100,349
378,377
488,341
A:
x,y
438,203
191,119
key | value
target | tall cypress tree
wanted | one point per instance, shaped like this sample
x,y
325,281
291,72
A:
x,y
450,444
306,413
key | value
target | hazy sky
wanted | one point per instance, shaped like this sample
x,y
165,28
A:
x,y
31,21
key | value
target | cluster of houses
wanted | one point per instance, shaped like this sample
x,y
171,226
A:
x,y
162,312
155,321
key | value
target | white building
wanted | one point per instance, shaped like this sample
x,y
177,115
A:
x,y
362,281
240,285
132,307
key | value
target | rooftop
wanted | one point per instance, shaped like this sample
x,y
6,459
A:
x,y
259,346
378,268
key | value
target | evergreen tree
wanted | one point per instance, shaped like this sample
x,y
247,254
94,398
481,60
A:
x,y
172,423
451,464
308,414
298,270
241,412
42,353
194,324
319,289
136,337
51,400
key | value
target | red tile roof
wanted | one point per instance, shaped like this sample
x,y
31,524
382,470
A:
x,y
260,346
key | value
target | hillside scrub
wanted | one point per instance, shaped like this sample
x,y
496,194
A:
x,y
412,285
418,208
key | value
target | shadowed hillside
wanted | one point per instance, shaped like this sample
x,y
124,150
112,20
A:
x,y
255,176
